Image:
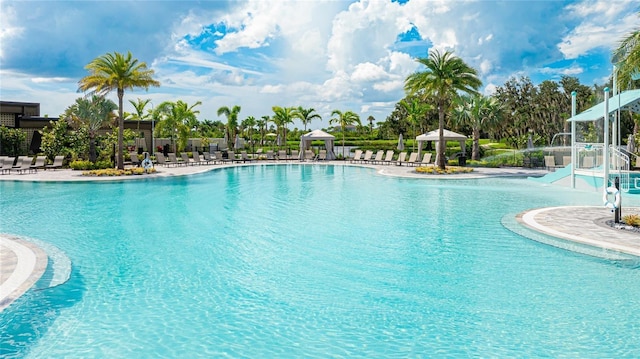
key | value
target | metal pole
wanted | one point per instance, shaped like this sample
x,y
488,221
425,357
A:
x,y
605,150
618,211
574,157
153,122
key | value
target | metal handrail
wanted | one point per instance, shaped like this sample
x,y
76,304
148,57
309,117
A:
x,y
621,164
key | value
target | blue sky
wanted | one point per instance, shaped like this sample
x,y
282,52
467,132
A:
x,y
346,55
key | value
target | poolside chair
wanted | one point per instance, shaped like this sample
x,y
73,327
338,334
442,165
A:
x,y
550,163
231,157
309,155
40,162
161,160
25,166
196,158
207,158
413,159
378,157
270,155
282,155
322,155
367,156
295,155
426,159
7,164
173,160
135,161
57,163
566,160
388,158
244,157
356,156
402,158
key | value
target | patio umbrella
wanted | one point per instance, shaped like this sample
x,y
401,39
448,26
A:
x,y
400,143
237,143
279,141
226,138
530,143
631,144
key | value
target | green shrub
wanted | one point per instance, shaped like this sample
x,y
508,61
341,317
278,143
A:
x,y
81,165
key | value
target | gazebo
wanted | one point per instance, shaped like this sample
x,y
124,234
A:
x,y
315,135
434,136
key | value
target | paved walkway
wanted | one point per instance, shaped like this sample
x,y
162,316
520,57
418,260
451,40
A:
x,y
23,263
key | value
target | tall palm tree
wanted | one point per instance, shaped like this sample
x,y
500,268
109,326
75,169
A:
x,y
262,127
444,77
93,113
306,115
627,59
343,120
232,120
249,123
282,116
176,119
480,113
115,71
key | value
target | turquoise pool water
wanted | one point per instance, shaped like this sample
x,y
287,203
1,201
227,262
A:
x,y
311,261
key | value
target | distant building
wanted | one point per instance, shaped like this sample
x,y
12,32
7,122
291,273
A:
x,y
26,116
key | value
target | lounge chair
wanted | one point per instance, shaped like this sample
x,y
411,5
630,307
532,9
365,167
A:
x,y
309,155
402,158
40,162
161,159
566,160
282,155
270,155
245,157
207,158
550,163
413,159
231,157
322,155
57,163
388,157
7,164
378,158
356,156
426,159
135,161
367,156
196,158
25,166
295,155
219,157
173,160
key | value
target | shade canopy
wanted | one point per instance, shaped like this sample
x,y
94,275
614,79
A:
x,y
627,100
318,135
434,136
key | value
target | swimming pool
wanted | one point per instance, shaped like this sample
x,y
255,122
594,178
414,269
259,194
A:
x,y
311,261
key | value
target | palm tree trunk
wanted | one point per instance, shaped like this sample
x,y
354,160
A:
x,y
119,155
475,153
441,145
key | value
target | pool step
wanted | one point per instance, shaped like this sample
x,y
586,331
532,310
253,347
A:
x,y
58,268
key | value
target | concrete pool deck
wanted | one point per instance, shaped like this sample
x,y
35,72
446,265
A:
x,y
22,263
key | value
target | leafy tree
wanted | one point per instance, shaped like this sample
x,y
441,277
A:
x,y
344,119
445,75
281,118
627,59
232,121
306,115
175,121
94,113
262,127
249,123
115,71
11,140
479,112
61,139
415,111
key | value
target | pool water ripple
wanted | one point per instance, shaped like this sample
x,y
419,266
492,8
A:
x,y
311,261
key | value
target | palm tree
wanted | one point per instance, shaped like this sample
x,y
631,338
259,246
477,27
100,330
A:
x,y
627,59
232,120
117,72
249,123
262,127
479,112
343,120
176,119
94,113
371,119
415,111
282,116
444,76
305,115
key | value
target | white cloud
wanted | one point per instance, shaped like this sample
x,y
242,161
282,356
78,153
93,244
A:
x,y
9,28
40,80
367,71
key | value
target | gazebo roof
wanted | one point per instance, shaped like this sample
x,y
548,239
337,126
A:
x,y
317,135
448,136
627,100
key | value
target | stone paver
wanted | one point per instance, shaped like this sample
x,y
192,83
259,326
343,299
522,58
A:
x,y
584,225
